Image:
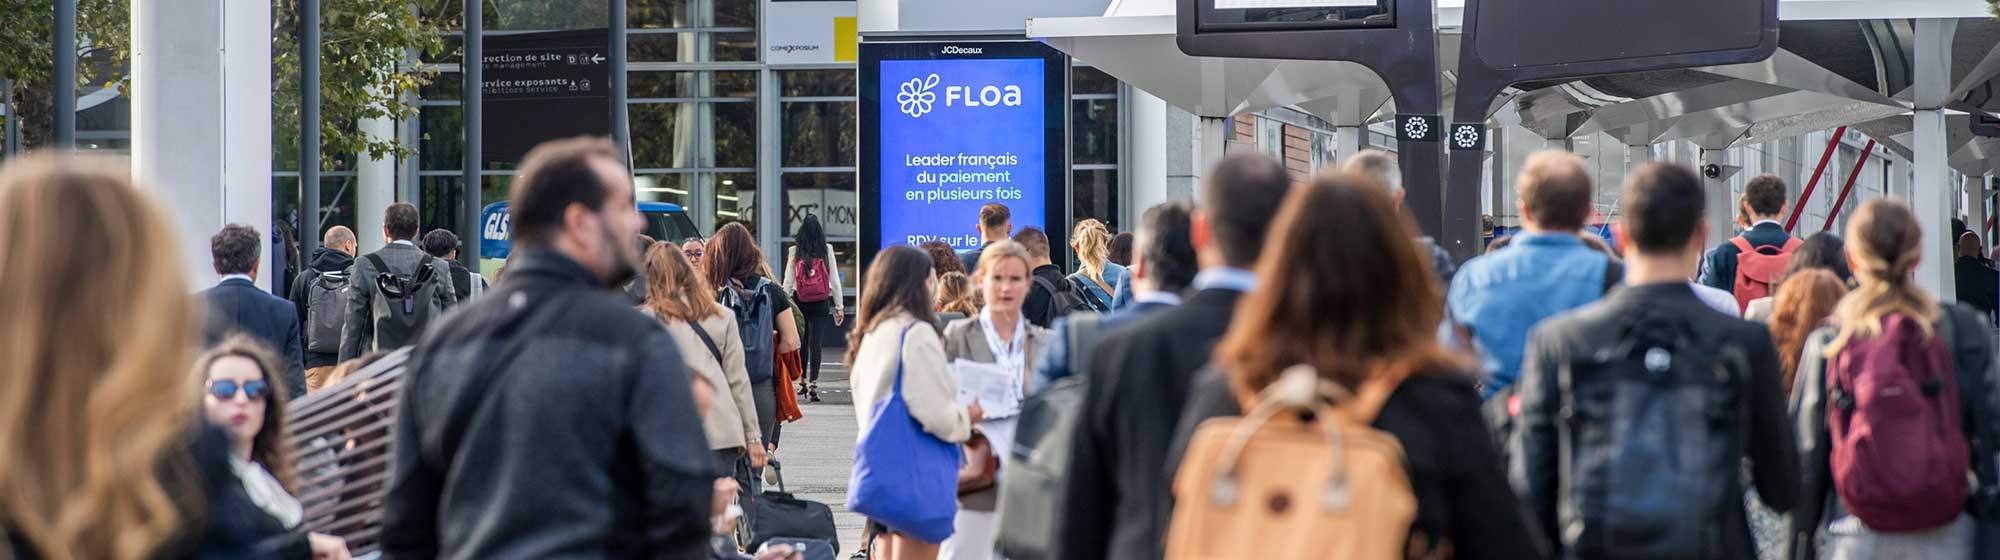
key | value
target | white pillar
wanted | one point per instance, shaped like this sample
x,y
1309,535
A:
x,y
1636,156
201,119
1930,190
1348,140
1147,147
1721,206
1975,209
375,187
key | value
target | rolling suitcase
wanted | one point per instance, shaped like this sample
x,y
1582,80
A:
x,y
780,516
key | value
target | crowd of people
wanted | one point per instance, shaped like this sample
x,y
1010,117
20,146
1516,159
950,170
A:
x,y
1773,397
1559,396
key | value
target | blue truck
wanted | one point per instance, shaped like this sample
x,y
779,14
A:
x,y
665,222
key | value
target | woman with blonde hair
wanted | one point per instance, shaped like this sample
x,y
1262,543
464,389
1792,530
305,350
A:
x,y
956,297
1890,339
1001,335
1346,291
105,455
1097,275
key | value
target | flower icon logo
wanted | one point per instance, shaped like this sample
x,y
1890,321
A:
x,y
1416,128
1467,136
916,97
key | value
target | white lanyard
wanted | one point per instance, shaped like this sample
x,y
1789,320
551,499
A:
x,y
1011,355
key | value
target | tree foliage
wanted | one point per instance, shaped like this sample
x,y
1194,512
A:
x,y
367,68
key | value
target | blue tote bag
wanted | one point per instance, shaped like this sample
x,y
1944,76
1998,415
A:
x,y
904,477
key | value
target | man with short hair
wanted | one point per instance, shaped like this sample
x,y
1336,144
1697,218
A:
x,y
1547,269
402,258
1046,277
550,419
1381,166
328,273
1116,503
996,222
1163,264
1651,397
443,244
1763,205
1977,280
236,304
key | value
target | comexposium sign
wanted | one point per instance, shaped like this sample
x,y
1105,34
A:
x,y
948,127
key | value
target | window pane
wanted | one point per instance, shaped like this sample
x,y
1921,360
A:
x,y
1094,137
734,47
805,83
827,195
820,134
661,47
663,134
735,134
443,87
453,53
658,14
660,84
438,200
735,13
439,148
1084,79
669,188
1095,195
735,198
739,83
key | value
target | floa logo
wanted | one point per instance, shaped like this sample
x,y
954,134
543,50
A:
x,y
916,96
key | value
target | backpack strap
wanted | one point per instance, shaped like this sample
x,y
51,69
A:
x,y
376,260
1742,244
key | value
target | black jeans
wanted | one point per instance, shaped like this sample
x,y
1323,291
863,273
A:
x,y
819,326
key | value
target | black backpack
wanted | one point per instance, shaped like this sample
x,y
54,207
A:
x,y
326,311
1064,297
754,324
1651,441
404,305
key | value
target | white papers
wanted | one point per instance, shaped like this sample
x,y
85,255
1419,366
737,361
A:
x,y
997,390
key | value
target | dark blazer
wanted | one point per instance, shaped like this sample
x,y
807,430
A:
x,y
1718,266
1114,504
236,305
1463,502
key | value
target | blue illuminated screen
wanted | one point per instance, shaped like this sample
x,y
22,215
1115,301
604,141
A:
x,y
955,135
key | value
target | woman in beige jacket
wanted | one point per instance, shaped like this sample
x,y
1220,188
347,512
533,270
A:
x,y
893,332
681,300
1002,336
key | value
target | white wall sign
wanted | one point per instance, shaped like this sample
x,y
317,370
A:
x,y
808,31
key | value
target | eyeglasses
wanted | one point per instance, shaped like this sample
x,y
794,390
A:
x,y
223,389
695,253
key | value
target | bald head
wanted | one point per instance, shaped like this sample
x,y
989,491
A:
x,y
339,238
1377,165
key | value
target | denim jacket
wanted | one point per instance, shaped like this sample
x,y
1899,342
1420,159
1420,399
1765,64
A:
x,y
1501,295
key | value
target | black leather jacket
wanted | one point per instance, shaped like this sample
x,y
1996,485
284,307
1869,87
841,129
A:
x,y
548,419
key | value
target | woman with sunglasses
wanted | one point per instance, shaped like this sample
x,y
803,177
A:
x,y
241,397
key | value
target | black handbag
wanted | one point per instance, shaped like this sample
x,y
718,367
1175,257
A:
x,y
782,516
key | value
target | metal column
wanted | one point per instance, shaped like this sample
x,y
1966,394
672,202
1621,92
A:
x,y
621,131
1930,192
474,97
1721,205
308,128
65,77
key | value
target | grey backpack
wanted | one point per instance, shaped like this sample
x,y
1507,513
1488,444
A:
x,y
1031,485
326,311
404,305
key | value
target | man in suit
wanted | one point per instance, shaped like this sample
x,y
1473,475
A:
x,y
995,223
1163,265
237,305
401,255
1116,502
1764,203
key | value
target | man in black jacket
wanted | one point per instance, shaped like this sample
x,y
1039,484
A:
x,y
1035,307
237,305
334,255
550,419
1115,503
1709,384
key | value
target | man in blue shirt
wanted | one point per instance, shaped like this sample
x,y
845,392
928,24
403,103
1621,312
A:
x,y
1163,265
1547,269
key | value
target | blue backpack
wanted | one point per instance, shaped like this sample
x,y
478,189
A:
x,y
754,324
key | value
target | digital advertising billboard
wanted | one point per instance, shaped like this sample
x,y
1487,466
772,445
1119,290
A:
x,y
948,127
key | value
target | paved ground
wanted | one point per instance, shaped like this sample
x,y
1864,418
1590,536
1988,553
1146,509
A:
x,y
818,451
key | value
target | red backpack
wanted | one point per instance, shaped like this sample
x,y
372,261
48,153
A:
x,y
1758,273
815,285
1899,454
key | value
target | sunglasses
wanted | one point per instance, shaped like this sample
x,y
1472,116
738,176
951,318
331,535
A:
x,y
223,389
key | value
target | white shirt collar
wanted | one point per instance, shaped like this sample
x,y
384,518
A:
x,y
403,242
1762,222
1159,296
245,277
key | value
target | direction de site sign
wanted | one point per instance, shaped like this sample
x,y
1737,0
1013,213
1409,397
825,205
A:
x,y
544,86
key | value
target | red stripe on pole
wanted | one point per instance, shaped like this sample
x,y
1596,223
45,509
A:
x,y
1824,157
1844,189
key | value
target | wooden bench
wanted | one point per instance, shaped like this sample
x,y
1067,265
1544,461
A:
x,y
342,438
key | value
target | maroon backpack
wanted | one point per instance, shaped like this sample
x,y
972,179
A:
x,y
815,284
1899,455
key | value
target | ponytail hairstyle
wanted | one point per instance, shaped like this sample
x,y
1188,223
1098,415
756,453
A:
x,y
1884,242
1093,247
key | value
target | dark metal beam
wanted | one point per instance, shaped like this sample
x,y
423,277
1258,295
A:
x,y
65,78
473,97
309,45
620,133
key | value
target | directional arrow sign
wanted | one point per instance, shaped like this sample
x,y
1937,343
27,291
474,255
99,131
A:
x,y
599,59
